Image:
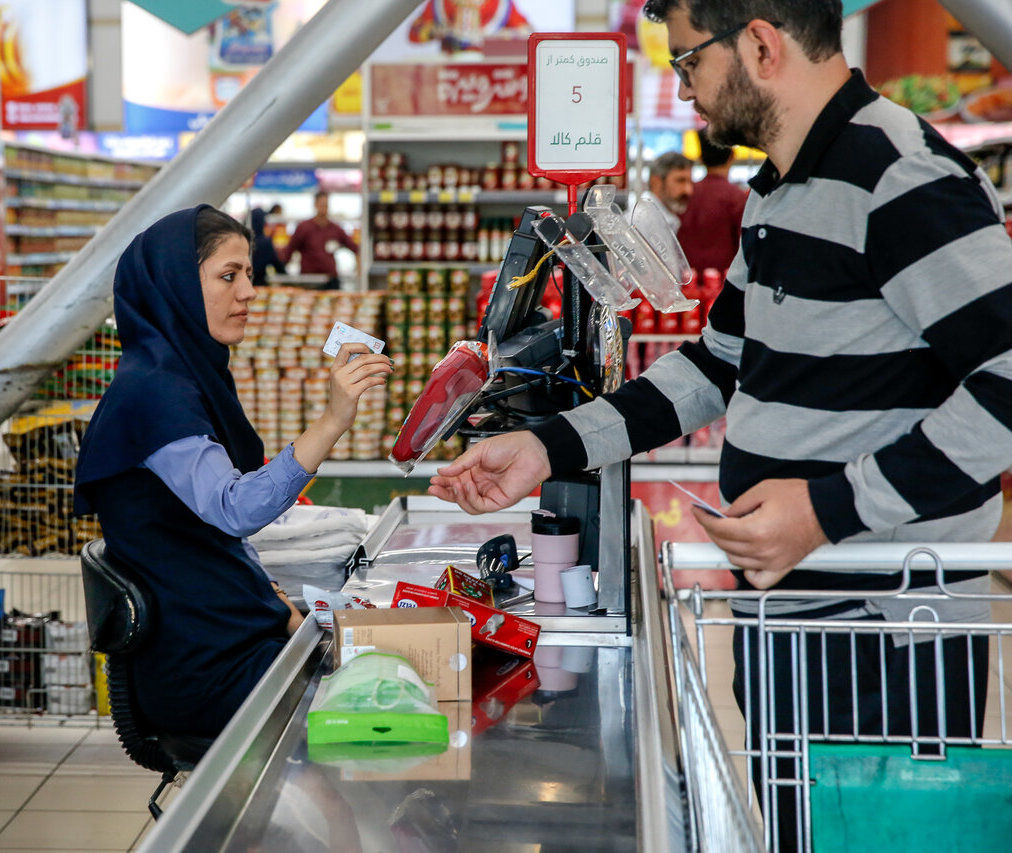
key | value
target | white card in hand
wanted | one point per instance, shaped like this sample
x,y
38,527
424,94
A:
x,y
342,333
698,501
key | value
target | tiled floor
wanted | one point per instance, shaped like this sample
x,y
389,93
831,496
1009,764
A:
x,y
64,788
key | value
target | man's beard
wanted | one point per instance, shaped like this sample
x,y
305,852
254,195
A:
x,y
742,114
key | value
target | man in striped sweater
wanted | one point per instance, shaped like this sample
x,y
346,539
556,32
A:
x,y
861,347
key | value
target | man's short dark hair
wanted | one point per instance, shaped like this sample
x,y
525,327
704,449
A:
x,y
816,25
321,194
669,162
712,155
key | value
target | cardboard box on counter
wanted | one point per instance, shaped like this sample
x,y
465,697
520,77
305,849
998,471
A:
x,y
461,583
453,763
437,642
489,626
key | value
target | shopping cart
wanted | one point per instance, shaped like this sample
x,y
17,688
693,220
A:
x,y
861,731
46,665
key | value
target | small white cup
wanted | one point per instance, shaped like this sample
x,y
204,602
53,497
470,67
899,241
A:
x,y
578,587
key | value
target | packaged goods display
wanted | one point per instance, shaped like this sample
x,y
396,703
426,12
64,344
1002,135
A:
x,y
36,489
438,212
282,374
426,312
56,202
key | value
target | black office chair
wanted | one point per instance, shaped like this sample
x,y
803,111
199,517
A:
x,y
119,610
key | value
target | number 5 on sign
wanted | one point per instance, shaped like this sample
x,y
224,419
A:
x,y
576,105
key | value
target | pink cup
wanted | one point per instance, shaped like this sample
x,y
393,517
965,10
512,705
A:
x,y
555,545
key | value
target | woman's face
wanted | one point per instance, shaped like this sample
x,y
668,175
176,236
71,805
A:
x,y
226,282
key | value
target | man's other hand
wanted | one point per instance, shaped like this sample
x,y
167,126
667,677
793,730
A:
x,y
768,531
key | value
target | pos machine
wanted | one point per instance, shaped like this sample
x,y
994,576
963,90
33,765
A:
x,y
525,365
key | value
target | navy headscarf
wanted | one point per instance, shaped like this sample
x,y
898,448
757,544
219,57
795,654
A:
x,y
173,379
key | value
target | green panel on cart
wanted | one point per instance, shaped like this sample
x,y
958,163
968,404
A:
x,y
368,493
871,797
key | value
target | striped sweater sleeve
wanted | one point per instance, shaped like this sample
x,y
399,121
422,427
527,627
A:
x,y
942,261
680,392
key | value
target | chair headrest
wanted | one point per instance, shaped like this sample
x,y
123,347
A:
x,y
117,603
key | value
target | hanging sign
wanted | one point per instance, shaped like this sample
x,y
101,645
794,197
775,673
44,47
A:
x,y
577,85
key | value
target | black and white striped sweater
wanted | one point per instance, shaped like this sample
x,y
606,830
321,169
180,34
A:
x,y
862,341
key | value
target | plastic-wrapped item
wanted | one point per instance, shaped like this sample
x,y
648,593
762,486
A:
x,y
323,602
593,275
375,700
637,264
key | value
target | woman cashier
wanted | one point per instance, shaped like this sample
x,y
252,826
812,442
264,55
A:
x,y
175,471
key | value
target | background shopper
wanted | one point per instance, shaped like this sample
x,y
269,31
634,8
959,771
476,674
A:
x,y
671,185
316,240
264,254
711,223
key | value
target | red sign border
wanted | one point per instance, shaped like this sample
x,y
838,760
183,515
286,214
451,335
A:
x,y
568,176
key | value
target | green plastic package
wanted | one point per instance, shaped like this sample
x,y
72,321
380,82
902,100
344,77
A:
x,y
375,704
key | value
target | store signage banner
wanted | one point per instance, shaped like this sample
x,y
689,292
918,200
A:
x,y
197,74
454,89
285,180
44,63
454,26
186,15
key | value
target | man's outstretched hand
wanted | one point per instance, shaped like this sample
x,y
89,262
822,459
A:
x,y
494,473
768,531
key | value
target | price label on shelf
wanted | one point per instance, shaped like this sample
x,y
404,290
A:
x,y
576,124
446,196
416,196
388,196
465,196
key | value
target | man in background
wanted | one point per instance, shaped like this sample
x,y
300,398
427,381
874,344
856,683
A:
x,y
671,185
711,224
316,240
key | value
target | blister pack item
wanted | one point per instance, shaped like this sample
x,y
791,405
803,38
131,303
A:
x,y
323,602
456,381
594,276
375,698
649,220
637,265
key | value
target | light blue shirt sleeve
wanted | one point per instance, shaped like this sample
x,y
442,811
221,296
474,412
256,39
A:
x,y
199,472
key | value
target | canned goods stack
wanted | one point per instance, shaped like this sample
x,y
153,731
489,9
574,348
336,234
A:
x,y
426,313
282,374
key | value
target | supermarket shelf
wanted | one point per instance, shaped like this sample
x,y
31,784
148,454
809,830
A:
x,y
643,470
661,339
475,196
64,204
16,230
40,258
309,164
473,269
75,180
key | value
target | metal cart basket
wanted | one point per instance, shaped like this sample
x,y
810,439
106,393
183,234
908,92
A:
x,y
873,720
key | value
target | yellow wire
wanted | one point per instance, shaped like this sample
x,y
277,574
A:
x,y
583,388
521,280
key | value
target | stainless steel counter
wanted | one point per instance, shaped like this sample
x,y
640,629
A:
x,y
587,761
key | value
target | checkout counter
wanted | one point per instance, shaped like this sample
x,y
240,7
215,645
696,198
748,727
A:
x,y
588,761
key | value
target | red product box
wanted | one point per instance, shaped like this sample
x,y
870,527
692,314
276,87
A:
x,y
499,683
461,583
489,626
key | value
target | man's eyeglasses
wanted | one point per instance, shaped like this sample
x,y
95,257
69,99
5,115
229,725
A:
x,y
676,62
